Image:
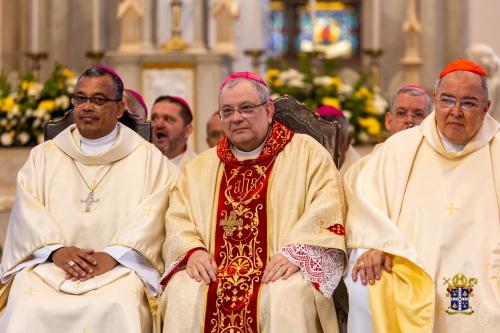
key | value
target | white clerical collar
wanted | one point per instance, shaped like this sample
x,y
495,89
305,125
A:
x,y
177,158
99,145
247,155
451,147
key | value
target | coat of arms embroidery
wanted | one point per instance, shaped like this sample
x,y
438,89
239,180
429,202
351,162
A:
x,y
460,290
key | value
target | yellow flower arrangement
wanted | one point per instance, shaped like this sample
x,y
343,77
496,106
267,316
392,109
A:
x,y
363,107
23,112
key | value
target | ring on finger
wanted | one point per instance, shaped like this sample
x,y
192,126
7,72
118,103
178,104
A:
x,y
361,265
71,263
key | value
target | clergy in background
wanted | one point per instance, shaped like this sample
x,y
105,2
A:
x,y
83,247
255,235
348,155
426,206
215,130
171,118
135,106
409,107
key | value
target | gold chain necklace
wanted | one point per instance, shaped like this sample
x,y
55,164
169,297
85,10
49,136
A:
x,y
232,222
90,197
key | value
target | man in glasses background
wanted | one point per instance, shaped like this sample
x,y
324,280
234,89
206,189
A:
x,y
246,222
410,105
426,206
83,247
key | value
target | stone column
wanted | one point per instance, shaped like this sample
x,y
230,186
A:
x,y
412,30
147,25
59,33
198,44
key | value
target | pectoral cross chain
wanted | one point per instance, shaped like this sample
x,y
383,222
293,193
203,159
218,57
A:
x,y
230,224
89,201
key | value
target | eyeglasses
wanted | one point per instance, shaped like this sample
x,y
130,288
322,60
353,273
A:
x,y
465,104
245,110
97,100
400,114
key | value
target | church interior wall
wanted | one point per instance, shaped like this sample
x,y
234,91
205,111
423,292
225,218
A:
x,y
484,25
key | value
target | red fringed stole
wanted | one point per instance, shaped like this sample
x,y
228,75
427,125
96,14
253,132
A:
x,y
241,238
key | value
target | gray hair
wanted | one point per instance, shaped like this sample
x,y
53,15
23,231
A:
x,y
262,89
483,81
413,91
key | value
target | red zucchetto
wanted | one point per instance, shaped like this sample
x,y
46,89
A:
x,y
462,65
244,75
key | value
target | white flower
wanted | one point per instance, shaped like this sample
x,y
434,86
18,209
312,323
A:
x,y
345,89
290,75
15,110
364,137
275,96
351,128
39,113
23,137
6,139
297,83
62,102
323,81
46,117
35,90
29,112
379,103
36,123
347,114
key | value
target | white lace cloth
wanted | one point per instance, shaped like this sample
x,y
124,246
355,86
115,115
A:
x,y
321,266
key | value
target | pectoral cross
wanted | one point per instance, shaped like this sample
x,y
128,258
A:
x,y
230,224
451,209
89,201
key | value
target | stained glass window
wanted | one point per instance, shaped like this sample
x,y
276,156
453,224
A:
x,y
332,27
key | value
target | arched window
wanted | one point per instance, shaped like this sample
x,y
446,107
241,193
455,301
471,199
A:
x,y
332,28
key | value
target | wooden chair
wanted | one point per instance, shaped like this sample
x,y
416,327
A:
x,y
52,128
300,119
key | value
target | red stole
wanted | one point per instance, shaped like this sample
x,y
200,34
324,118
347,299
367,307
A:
x,y
241,237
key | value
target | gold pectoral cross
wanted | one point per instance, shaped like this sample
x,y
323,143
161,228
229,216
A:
x,y
452,209
230,224
89,201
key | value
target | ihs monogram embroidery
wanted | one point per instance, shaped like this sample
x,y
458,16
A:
x,y
460,290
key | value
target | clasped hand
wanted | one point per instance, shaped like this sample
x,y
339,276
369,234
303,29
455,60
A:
x,y
82,264
369,266
202,268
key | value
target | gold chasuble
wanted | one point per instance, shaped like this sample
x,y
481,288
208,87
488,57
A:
x,y
130,185
437,212
243,212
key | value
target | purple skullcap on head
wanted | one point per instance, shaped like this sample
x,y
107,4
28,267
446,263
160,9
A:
x,y
328,110
110,71
138,97
243,75
412,86
183,102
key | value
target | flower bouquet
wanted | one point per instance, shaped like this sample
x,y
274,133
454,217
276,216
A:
x,y
363,106
24,111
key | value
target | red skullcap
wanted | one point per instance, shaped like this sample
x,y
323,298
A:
x,y
462,65
328,110
138,97
183,102
244,75
110,71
